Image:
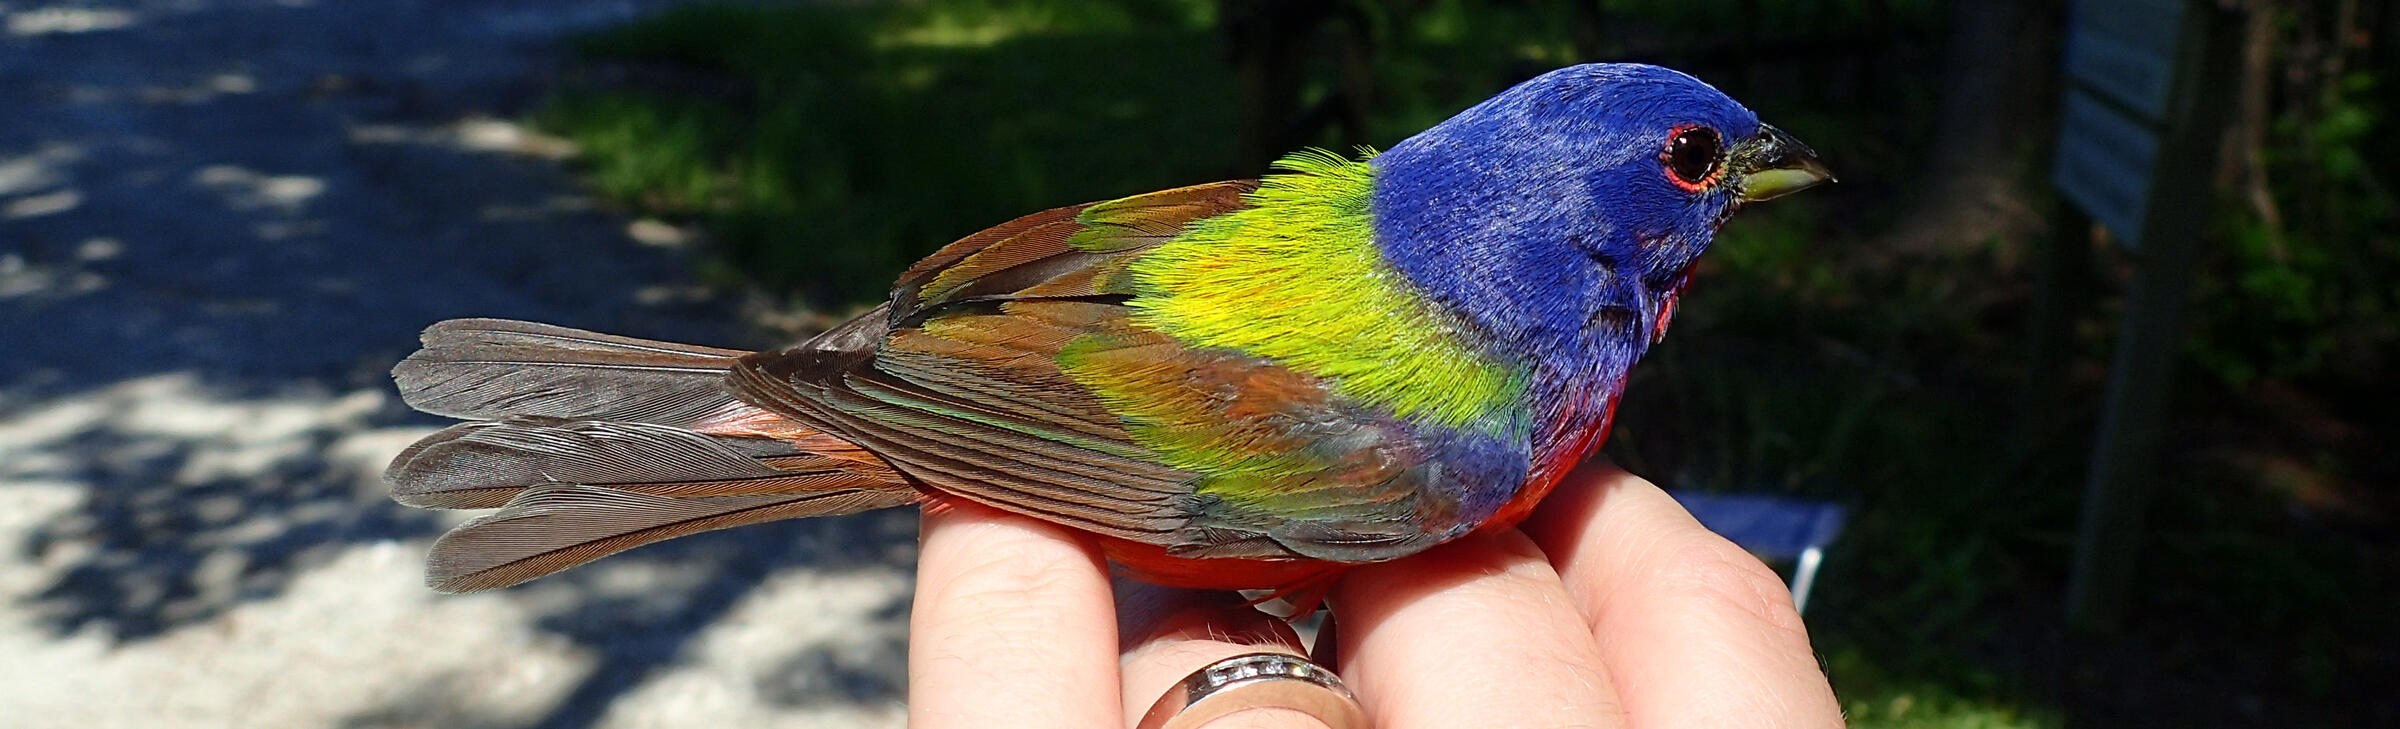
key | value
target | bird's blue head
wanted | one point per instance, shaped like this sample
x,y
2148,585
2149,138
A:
x,y
1560,216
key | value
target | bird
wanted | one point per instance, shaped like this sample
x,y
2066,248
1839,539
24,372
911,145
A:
x,y
1249,384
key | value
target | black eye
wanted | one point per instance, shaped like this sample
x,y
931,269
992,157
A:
x,y
1692,155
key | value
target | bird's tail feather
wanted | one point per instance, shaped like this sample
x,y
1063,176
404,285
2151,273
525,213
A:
x,y
592,444
482,465
487,369
553,527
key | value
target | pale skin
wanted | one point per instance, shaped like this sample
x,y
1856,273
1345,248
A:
x,y
1610,608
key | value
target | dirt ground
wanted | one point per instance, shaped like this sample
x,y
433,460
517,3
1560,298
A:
x,y
221,221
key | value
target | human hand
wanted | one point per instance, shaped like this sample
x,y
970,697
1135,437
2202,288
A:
x,y
1611,607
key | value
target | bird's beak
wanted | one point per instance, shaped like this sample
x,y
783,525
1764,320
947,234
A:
x,y
1773,164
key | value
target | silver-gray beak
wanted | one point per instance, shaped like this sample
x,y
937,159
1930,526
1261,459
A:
x,y
1773,164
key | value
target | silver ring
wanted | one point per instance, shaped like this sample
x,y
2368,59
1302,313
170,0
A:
x,y
1256,681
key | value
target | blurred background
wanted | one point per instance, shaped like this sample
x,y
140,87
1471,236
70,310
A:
x,y
222,220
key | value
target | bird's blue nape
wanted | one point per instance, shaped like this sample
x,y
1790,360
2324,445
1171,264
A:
x,y
1546,217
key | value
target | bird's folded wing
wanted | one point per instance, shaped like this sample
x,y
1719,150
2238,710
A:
x,y
1011,372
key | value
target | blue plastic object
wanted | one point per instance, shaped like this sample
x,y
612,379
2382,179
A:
x,y
1774,528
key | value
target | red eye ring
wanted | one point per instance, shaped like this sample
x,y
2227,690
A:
x,y
1693,157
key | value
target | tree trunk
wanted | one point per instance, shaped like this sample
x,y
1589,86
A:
x,y
2000,88
2241,162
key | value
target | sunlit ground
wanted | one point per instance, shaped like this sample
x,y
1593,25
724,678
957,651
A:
x,y
220,223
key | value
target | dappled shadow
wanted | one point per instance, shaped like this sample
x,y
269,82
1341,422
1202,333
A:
x,y
223,221
193,503
697,582
213,258
843,673
746,640
667,615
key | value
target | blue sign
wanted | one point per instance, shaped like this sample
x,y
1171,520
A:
x,y
2125,50
2121,64
2105,164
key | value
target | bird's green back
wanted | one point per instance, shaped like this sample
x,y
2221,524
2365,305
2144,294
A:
x,y
1296,278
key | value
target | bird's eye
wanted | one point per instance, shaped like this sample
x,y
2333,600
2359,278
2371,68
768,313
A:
x,y
1692,156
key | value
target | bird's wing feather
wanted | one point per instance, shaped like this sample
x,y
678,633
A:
x,y
1013,373
1073,251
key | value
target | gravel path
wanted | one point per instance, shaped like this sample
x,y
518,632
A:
x,y
221,221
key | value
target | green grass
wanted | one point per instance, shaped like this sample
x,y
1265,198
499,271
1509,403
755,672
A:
x,y
854,138
824,146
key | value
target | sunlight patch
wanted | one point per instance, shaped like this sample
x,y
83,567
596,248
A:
x,y
37,171
45,204
246,189
62,20
494,135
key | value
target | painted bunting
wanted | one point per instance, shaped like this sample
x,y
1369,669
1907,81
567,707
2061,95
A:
x,y
1246,384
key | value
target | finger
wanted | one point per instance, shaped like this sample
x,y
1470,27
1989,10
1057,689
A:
x,y
1695,631
1169,633
1013,626
1475,633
